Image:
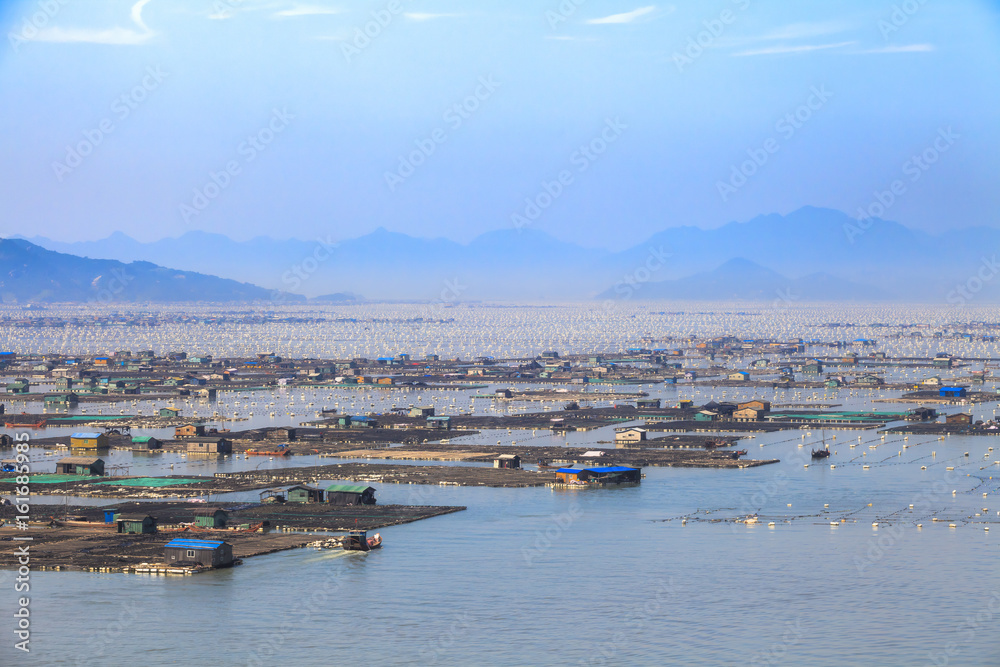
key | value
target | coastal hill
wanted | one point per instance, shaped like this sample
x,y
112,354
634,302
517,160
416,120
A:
x,y
31,273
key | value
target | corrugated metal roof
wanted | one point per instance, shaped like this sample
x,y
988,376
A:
x,y
347,488
180,543
598,469
81,460
85,435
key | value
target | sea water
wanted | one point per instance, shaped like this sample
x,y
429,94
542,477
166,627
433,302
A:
x,y
665,572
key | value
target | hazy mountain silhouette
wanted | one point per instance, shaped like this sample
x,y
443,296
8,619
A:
x,y
882,259
740,279
31,273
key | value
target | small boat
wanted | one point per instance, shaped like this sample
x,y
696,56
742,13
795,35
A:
x,y
823,452
358,540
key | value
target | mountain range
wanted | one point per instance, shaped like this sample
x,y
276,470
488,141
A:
x,y
821,253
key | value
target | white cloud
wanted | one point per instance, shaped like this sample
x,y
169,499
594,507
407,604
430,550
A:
x,y
800,48
905,48
117,36
626,17
421,16
307,10
567,38
804,30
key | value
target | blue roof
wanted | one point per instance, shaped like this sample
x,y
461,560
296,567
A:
x,y
598,469
180,543
85,435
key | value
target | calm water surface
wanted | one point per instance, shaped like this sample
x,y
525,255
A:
x,y
537,576
549,577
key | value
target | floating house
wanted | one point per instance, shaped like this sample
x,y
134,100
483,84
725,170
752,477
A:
x,y
952,392
599,475
80,465
350,494
303,493
137,524
145,443
208,553
19,386
756,404
189,431
209,445
287,433
67,399
88,441
509,461
441,423
958,418
211,517
630,435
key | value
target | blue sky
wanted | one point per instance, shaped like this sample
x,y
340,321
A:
x,y
283,118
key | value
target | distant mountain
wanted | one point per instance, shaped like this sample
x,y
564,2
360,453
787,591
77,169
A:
x,y
742,280
505,264
829,247
337,298
31,273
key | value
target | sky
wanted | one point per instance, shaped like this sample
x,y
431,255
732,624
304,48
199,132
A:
x,y
598,123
